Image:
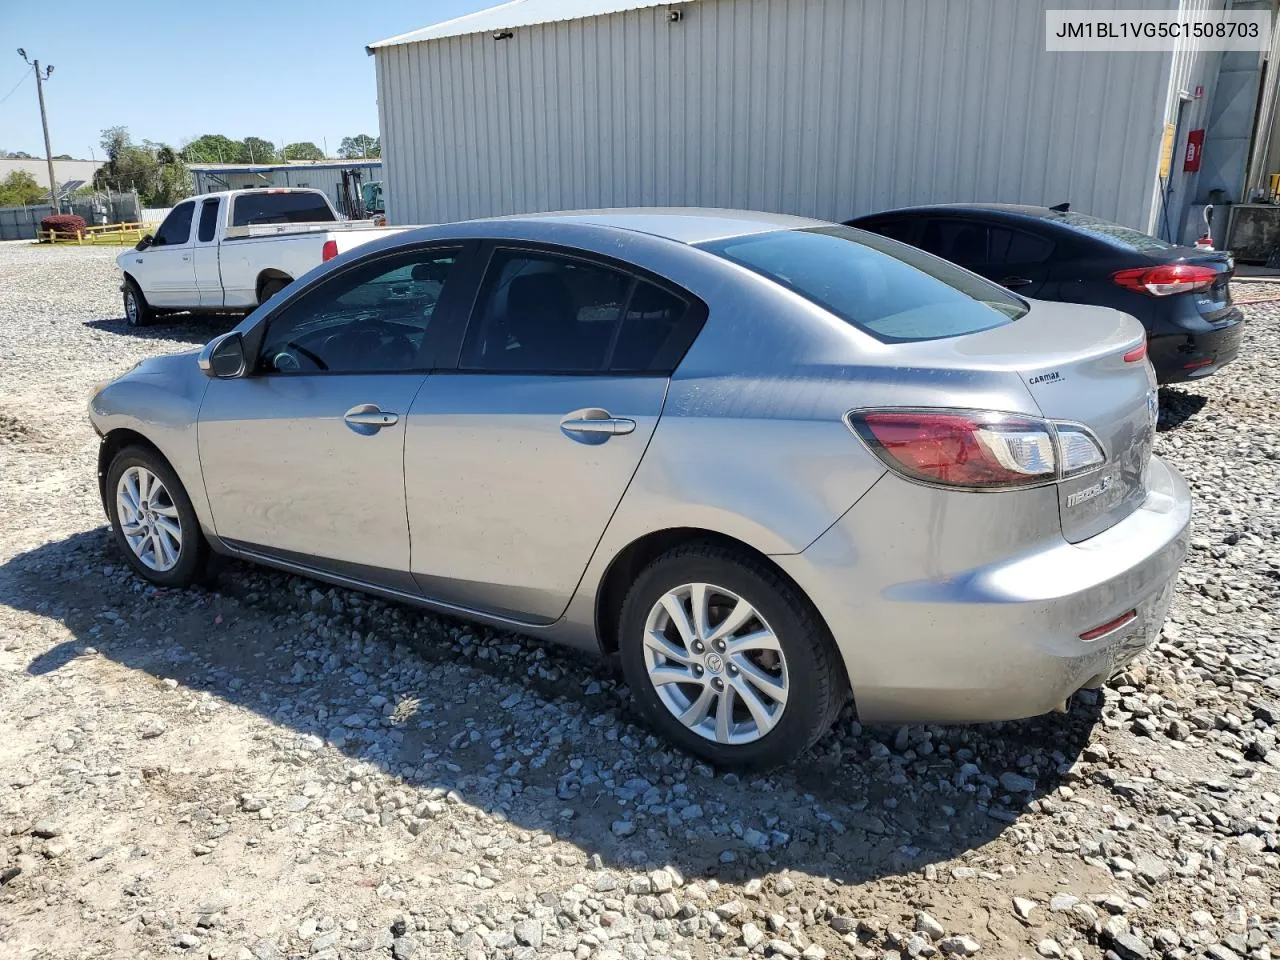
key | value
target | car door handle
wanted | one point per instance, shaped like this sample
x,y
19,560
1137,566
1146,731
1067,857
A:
x,y
606,425
1015,282
367,418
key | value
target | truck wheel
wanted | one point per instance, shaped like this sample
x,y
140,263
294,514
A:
x,y
271,288
137,312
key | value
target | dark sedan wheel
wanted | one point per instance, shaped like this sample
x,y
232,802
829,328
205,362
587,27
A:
x,y
727,659
153,520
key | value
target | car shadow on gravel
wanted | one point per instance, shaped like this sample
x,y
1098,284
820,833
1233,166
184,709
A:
x,y
1177,407
539,735
196,328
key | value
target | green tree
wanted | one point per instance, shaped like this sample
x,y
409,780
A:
x,y
155,170
114,140
64,156
214,148
16,155
359,146
19,189
304,150
257,150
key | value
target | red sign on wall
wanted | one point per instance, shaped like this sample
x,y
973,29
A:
x,y
1195,147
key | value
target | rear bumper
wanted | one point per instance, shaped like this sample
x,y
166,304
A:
x,y
927,640
1190,355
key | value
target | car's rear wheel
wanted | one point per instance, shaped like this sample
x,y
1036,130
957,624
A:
x,y
270,288
137,312
727,658
153,520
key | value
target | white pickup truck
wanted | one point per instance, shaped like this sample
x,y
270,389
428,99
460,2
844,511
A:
x,y
230,251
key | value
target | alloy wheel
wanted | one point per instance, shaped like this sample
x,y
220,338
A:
x,y
149,519
131,307
715,663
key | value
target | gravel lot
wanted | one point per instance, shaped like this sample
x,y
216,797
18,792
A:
x,y
279,769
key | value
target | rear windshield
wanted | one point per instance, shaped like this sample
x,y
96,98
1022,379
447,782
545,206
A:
x,y
1126,238
892,291
300,206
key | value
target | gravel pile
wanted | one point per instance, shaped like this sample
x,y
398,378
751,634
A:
x,y
280,769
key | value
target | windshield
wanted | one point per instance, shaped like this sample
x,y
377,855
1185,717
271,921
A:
x,y
286,206
892,291
1115,234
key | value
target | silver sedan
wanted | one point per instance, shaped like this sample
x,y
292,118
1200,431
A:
x,y
770,463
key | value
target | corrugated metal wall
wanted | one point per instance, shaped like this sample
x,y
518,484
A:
x,y
829,108
1190,68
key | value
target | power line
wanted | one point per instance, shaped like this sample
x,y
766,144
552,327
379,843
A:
x,y
16,86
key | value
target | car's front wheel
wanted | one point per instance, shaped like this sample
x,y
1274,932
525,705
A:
x,y
137,312
153,520
727,658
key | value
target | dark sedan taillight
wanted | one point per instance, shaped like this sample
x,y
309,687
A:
x,y
1166,279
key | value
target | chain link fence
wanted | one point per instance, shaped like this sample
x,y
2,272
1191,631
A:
x,y
23,223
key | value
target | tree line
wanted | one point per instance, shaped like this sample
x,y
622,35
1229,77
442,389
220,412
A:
x,y
159,173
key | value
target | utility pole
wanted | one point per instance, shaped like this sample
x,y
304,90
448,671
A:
x,y
44,122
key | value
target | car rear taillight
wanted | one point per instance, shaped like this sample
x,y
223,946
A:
x,y
1137,353
328,251
1166,278
976,450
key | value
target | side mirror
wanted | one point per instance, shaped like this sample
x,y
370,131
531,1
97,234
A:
x,y
146,241
223,357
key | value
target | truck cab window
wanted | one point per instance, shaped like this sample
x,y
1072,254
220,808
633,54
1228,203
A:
x,y
208,220
176,229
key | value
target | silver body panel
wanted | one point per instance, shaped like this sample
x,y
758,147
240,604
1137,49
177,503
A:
x,y
284,472
944,604
506,509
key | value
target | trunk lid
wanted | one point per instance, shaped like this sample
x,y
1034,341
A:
x,y
1071,358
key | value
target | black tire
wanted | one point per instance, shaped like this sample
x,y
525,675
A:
x,y
138,313
195,561
270,288
817,688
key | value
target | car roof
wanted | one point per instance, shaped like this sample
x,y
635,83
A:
x,y
1009,209
689,225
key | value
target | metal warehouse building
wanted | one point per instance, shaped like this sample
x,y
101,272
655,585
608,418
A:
x,y
323,175
828,108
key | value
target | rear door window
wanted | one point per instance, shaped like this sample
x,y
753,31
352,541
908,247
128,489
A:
x,y
893,292
1017,246
208,220
542,312
902,229
280,206
650,328
961,241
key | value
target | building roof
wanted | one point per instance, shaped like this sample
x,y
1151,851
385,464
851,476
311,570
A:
x,y
290,165
517,13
